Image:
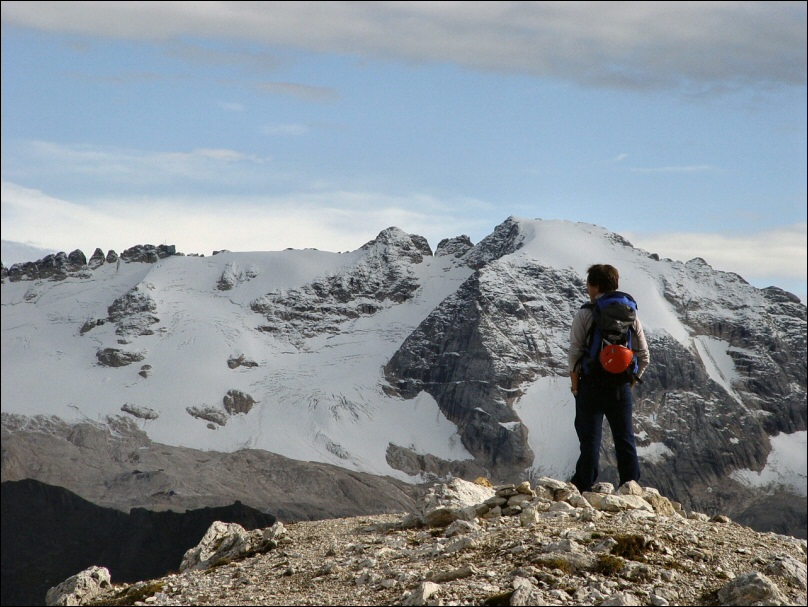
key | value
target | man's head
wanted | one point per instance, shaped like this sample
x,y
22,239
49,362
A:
x,y
603,276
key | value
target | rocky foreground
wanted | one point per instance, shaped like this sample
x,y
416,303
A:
x,y
471,544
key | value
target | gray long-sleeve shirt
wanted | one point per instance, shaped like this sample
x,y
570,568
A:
x,y
580,329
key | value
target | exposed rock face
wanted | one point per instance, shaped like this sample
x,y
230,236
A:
x,y
59,266
56,266
97,259
236,401
113,357
140,412
407,460
234,275
384,274
506,238
240,360
133,313
210,414
228,541
148,253
80,588
457,246
753,588
476,350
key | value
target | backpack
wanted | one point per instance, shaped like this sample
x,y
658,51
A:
x,y
609,339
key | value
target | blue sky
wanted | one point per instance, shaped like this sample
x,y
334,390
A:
x,y
262,126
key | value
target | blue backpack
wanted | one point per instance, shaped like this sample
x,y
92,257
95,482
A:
x,y
609,339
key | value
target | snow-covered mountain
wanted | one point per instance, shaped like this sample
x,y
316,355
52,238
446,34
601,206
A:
x,y
395,361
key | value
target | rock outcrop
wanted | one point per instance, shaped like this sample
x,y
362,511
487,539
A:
x,y
58,266
236,401
147,253
234,275
146,413
80,588
115,357
225,542
240,360
209,414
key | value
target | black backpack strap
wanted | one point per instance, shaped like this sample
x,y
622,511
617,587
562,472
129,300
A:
x,y
590,334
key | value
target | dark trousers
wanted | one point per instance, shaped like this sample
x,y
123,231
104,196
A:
x,y
596,399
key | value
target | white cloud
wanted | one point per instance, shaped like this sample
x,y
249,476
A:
x,y
640,45
339,220
331,221
18,252
779,255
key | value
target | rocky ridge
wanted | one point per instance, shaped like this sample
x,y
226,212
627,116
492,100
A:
x,y
131,471
472,544
383,276
59,266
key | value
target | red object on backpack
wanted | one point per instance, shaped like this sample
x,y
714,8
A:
x,y
616,359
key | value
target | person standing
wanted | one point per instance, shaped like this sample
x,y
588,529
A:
x,y
599,392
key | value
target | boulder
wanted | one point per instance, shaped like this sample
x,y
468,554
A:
x,y
79,589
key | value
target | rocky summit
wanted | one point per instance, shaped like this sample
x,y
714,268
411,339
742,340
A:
x,y
473,544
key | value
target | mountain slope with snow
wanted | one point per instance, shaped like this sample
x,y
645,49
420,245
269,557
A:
x,y
396,361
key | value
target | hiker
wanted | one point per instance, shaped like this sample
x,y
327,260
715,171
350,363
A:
x,y
607,332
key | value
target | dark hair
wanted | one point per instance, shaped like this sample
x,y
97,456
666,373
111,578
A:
x,y
603,276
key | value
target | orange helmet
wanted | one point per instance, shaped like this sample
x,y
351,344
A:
x,y
615,359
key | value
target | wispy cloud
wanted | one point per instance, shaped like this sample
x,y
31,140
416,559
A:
x,y
698,168
231,106
252,60
293,129
301,91
123,78
697,46
112,168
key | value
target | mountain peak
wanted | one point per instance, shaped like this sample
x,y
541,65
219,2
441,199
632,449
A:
x,y
397,240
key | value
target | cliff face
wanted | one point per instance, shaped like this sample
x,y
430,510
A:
x,y
393,362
